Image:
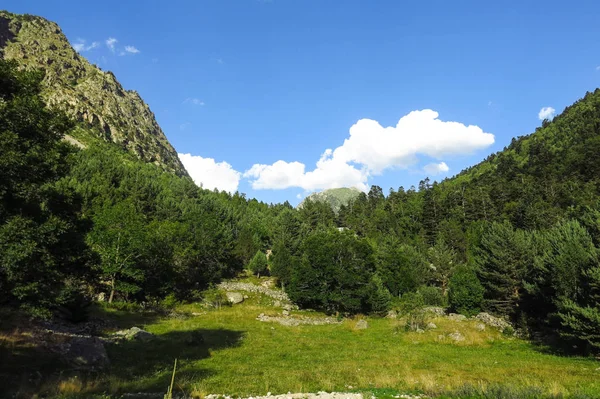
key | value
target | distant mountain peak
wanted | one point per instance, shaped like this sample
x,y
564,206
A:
x,y
335,197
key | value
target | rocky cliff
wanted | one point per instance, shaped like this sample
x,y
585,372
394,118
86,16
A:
x,y
85,92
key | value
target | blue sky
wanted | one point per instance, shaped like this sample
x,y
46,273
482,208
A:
x,y
254,82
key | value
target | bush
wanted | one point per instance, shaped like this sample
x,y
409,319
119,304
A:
x,y
466,292
215,298
411,307
432,296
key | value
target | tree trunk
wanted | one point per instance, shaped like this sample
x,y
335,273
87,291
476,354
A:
x,y
112,290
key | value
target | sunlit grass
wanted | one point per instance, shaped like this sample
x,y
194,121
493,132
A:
x,y
242,356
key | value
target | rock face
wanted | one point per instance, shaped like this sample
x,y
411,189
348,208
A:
x,y
234,297
83,91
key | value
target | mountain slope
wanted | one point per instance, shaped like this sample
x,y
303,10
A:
x,y
335,197
85,92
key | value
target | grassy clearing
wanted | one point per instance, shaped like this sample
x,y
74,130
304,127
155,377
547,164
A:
x,y
242,356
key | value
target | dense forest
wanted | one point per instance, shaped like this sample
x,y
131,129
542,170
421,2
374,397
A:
x,y
517,235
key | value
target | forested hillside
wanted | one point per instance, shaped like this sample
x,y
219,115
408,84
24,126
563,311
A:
x,y
517,235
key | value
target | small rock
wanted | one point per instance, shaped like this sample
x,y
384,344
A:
x,y
435,310
480,327
286,312
419,331
456,337
234,297
431,326
392,314
246,297
361,324
457,317
135,333
277,304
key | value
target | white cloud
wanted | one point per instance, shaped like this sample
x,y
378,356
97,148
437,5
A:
x,y
436,168
546,113
371,148
80,46
194,101
110,43
131,50
329,173
210,174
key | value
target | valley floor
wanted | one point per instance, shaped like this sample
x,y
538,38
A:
x,y
239,355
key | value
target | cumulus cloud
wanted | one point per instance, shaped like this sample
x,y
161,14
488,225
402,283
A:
x,y
436,168
371,148
194,101
110,43
210,174
80,46
329,173
546,113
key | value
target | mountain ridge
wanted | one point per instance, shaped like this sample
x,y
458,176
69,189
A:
x,y
86,93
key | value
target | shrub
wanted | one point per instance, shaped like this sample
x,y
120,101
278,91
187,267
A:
x,y
466,292
432,296
379,297
411,307
215,298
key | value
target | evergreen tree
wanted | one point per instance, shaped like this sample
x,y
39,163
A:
x,y
465,293
259,264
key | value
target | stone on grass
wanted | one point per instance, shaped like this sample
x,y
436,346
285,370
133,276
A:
x,y
431,326
234,297
480,327
456,337
457,317
85,353
361,324
392,314
286,312
135,334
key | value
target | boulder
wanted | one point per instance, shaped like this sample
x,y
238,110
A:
x,y
235,297
286,312
480,327
456,337
431,326
435,310
361,324
457,317
85,353
392,314
492,321
135,334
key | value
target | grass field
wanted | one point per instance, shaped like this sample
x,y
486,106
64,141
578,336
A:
x,y
242,356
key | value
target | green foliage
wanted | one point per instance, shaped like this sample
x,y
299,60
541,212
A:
x,y
259,264
334,273
432,296
503,256
41,230
401,266
379,299
465,293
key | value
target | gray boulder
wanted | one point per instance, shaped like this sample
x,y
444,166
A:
x,y
362,324
456,337
431,326
85,353
135,334
457,317
234,297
